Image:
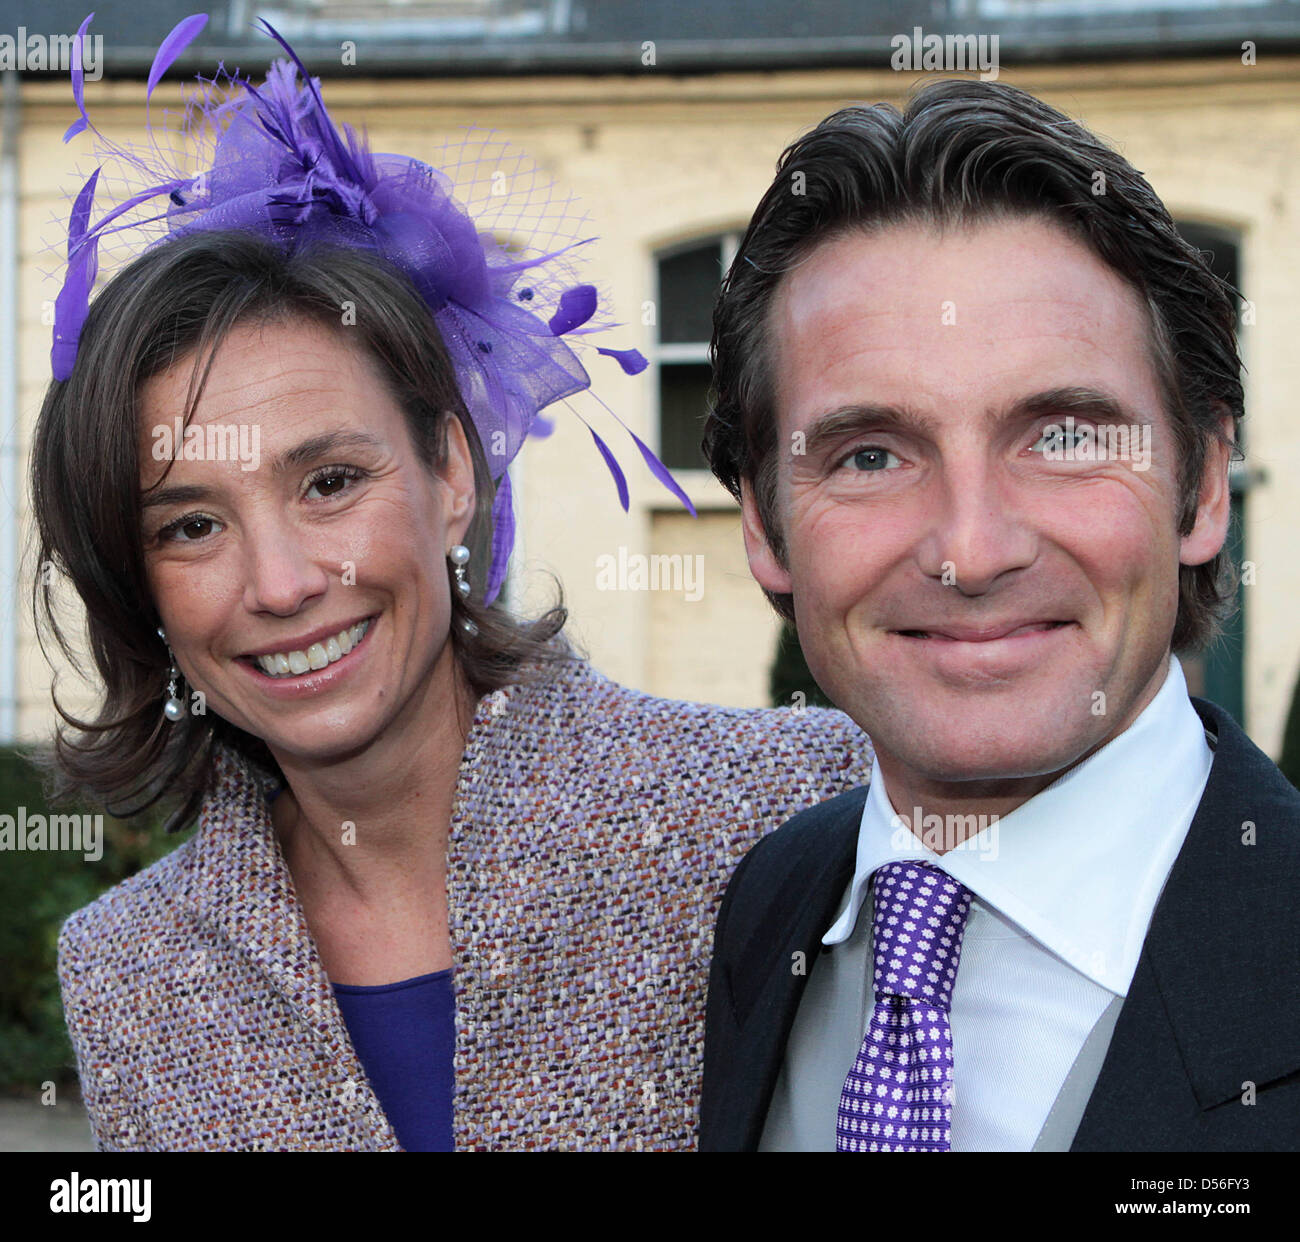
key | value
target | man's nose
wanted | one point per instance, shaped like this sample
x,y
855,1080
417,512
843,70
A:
x,y
978,531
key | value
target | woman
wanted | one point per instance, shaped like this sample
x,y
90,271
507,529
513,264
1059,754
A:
x,y
394,778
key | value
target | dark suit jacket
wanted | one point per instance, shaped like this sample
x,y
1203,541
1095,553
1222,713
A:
x,y
1214,1004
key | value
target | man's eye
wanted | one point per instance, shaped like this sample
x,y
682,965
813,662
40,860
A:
x,y
871,459
1055,440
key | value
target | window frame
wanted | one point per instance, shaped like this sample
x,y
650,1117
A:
x,y
699,484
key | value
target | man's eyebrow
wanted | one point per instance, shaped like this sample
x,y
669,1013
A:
x,y
1093,403
311,449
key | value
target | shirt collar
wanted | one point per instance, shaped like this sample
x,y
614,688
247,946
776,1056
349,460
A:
x,y
1079,866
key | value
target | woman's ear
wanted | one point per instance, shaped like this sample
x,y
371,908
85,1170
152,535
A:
x,y
457,475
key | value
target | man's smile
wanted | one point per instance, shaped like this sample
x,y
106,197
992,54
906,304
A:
x,y
983,634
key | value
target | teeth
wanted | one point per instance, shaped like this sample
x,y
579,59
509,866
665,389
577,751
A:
x,y
318,655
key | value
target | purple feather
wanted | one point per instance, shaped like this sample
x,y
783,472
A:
x,y
660,471
79,220
524,264
340,155
70,307
577,305
619,481
78,83
631,360
503,539
165,187
182,35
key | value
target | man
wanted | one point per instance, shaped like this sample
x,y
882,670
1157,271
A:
x,y
978,401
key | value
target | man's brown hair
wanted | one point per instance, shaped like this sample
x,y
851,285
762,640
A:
x,y
963,152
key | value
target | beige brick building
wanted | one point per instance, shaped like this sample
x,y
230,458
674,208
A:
x,y
670,164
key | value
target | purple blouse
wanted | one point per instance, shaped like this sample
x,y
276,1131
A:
x,y
405,1036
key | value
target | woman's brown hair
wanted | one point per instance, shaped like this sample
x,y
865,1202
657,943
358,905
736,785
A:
x,y
179,298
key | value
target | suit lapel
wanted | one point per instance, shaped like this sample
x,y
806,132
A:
x,y
1213,1002
1211,1011
797,902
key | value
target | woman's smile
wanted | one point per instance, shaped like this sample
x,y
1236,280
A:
x,y
297,682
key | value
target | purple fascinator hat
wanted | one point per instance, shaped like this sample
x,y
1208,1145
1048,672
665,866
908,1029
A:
x,y
274,163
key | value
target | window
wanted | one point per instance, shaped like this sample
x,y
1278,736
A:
x,y
688,280
1218,673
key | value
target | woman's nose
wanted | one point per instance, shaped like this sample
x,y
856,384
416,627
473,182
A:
x,y
281,571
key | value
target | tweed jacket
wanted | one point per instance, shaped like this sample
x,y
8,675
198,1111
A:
x,y
593,832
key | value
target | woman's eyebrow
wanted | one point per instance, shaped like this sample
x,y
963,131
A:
x,y
319,446
311,449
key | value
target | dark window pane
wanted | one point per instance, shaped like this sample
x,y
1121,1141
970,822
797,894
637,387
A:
x,y
1220,245
1225,668
683,403
688,283
1220,669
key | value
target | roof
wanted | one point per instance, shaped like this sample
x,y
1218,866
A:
x,y
490,37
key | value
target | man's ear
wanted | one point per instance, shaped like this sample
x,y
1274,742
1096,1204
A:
x,y
1207,537
763,563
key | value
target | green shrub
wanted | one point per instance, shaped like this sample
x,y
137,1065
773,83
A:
x,y
790,674
38,890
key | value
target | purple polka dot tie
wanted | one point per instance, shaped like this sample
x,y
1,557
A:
x,y
898,1095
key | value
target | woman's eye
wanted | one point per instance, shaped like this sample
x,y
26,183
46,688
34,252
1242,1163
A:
x,y
172,531
871,459
328,482
331,480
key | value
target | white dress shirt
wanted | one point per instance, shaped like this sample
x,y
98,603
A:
x,y
1065,887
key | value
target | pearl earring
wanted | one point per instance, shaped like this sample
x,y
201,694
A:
x,y
174,708
459,557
